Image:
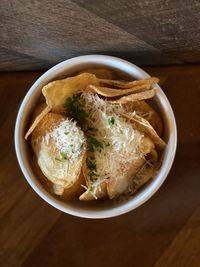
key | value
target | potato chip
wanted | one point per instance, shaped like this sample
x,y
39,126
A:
x,y
147,112
92,193
127,85
100,193
38,117
57,92
111,92
116,186
135,97
144,126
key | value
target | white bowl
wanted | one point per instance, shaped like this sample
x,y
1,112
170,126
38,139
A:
x,y
100,209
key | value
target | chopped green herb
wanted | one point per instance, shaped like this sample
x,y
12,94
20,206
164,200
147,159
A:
x,y
93,144
75,109
71,145
93,176
91,164
111,121
63,155
66,133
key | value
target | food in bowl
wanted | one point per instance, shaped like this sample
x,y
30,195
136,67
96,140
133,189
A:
x,y
95,137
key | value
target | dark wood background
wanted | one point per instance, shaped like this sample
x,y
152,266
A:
x,y
36,34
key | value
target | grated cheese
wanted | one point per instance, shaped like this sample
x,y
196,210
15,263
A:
x,y
68,139
123,140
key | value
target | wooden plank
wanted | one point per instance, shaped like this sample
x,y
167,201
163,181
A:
x,y
24,227
185,248
14,61
53,31
170,26
24,217
182,87
12,183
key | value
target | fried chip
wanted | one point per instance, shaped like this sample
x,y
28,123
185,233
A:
x,y
127,85
135,97
116,186
57,92
112,92
147,112
144,126
100,191
44,109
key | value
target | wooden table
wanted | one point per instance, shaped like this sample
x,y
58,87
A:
x,y
164,232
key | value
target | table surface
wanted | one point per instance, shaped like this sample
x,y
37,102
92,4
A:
x,y
164,232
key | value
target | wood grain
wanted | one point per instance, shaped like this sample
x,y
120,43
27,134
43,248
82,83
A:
x,y
185,249
163,232
38,34
170,26
22,220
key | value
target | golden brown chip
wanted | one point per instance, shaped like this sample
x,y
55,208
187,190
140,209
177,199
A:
x,y
147,112
57,92
63,174
64,193
111,92
126,85
144,126
116,186
92,192
135,97
141,178
99,193
38,116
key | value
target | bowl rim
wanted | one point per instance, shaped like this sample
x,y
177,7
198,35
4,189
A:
x,y
135,201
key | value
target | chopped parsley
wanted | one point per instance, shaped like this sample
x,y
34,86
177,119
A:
x,y
91,164
75,109
111,121
94,144
92,168
63,155
62,158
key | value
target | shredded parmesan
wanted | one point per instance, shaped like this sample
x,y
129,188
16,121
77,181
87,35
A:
x,y
68,139
123,141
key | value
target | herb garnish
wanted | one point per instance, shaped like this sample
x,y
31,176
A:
x,y
91,164
75,109
111,121
93,144
63,157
